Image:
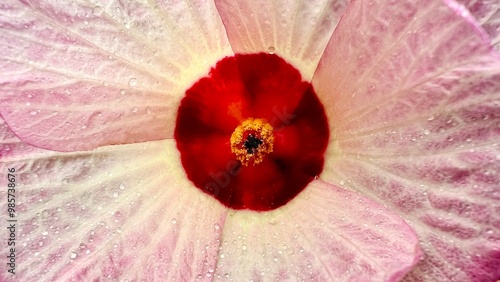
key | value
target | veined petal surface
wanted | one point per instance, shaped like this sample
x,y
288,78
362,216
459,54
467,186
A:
x,y
296,30
80,74
415,125
116,213
325,234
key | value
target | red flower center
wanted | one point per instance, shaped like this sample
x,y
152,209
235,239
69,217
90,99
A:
x,y
252,134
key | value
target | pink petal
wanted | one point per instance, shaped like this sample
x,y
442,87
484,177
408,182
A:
x,y
325,234
81,75
119,213
296,30
451,199
487,13
400,64
416,124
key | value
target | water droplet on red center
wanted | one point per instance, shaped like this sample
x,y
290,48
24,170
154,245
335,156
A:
x,y
270,170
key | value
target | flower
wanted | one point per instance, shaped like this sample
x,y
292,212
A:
x,y
89,97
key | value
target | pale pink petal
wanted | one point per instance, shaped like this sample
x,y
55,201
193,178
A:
x,y
80,74
122,212
452,199
325,234
403,59
487,13
296,30
415,126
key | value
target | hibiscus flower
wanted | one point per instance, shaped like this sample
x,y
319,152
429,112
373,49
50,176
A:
x,y
90,96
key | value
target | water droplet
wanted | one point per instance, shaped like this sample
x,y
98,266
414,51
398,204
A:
x,y
271,49
97,11
73,255
174,221
132,82
122,91
134,109
115,195
426,132
122,186
244,247
222,255
33,113
216,226
45,233
126,25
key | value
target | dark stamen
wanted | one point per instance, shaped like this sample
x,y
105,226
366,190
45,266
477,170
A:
x,y
252,143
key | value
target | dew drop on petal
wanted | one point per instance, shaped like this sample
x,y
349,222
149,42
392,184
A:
x,y
132,82
33,113
174,221
271,50
73,255
134,109
97,11
216,226
122,91
122,186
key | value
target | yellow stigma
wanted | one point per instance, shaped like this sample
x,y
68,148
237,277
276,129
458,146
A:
x,y
252,140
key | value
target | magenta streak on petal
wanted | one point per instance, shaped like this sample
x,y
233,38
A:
x,y
487,13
